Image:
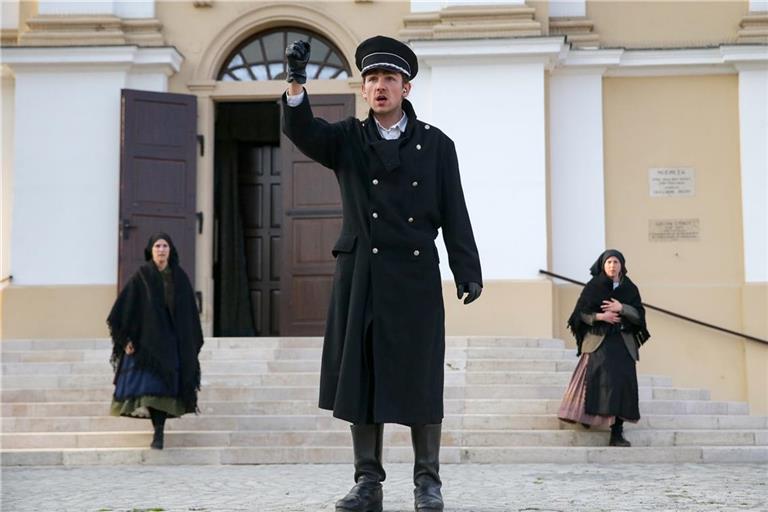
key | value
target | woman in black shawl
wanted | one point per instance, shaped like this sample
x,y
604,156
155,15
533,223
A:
x,y
608,323
156,339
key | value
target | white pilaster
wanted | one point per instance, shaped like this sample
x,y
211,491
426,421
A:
x,y
67,160
9,14
577,199
489,97
753,129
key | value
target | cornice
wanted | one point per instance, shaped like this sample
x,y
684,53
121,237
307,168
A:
x,y
44,58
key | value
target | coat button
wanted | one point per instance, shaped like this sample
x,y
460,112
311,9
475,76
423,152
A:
x,y
426,127
416,252
415,184
375,181
375,250
375,215
418,146
410,219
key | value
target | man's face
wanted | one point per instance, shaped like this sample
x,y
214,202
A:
x,y
384,90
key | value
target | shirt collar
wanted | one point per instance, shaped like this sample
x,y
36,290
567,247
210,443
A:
x,y
400,125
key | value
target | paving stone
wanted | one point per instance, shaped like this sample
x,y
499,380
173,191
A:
x,y
315,488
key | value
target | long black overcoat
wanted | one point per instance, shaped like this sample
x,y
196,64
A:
x,y
395,196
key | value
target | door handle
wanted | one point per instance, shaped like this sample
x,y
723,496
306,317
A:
x,y
125,227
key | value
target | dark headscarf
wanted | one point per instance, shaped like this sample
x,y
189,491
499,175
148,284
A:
x,y
599,289
173,258
160,337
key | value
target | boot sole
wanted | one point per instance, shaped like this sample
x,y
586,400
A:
x,y
378,509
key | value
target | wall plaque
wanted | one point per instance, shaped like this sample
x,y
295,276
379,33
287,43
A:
x,y
673,230
672,181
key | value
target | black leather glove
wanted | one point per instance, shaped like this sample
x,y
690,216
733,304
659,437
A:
x,y
473,291
297,54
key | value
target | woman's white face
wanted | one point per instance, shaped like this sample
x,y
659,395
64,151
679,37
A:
x,y
160,252
612,267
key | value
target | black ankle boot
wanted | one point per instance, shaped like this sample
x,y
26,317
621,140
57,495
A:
x,y
426,468
366,495
617,437
158,422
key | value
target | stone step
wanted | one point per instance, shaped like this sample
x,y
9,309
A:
x,y
393,437
315,420
273,343
295,365
452,377
337,454
251,393
268,354
685,409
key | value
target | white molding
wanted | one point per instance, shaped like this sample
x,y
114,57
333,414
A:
x,y
135,58
725,59
437,5
489,51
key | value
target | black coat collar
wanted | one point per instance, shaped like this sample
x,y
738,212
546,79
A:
x,y
388,151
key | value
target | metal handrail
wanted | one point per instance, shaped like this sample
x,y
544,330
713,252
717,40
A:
x,y
667,312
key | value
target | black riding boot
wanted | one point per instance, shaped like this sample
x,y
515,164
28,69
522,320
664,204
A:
x,y
617,439
426,468
158,421
366,495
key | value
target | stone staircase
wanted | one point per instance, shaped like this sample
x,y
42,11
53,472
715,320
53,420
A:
x,y
258,406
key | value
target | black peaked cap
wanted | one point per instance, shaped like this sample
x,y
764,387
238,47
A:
x,y
381,52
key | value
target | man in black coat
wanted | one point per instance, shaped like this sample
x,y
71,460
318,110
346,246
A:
x,y
384,347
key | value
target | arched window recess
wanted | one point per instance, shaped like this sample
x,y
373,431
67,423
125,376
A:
x,y
262,57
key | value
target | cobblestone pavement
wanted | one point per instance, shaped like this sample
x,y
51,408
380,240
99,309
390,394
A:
x,y
314,488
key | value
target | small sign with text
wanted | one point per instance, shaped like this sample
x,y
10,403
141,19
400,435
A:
x,y
672,181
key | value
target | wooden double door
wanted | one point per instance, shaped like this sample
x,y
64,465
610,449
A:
x,y
291,215
290,208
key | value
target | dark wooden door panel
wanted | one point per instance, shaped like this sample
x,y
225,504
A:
x,y
157,176
311,226
259,177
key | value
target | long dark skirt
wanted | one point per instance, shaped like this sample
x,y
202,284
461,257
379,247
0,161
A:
x,y
137,390
611,381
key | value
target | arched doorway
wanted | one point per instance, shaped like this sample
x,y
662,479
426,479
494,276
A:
x,y
277,213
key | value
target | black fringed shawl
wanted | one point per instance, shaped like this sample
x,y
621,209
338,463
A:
x,y
139,315
599,289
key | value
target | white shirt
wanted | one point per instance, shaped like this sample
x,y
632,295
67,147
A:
x,y
391,133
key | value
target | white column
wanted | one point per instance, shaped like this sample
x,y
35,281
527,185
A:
x,y
489,97
753,130
567,8
67,159
119,8
576,167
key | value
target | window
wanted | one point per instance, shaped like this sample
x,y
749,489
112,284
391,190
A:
x,y
262,57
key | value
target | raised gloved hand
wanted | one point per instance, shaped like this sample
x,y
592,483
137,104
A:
x,y
473,291
297,54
